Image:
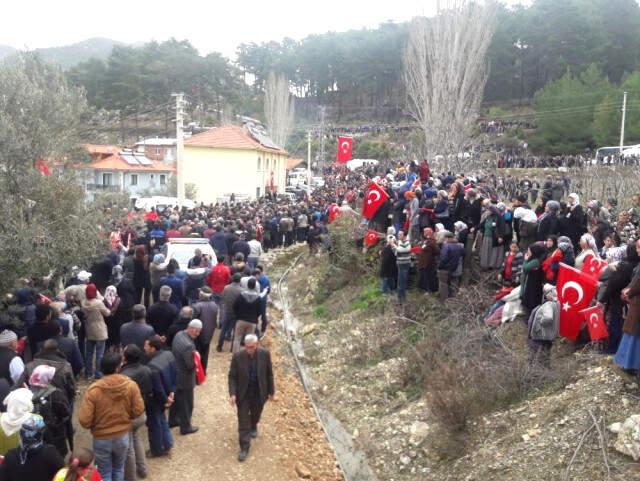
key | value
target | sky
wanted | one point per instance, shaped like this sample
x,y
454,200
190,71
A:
x,y
210,25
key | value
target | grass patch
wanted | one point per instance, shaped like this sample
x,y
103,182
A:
x,y
320,311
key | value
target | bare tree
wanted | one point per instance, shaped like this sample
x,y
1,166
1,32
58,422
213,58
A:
x,y
279,108
445,71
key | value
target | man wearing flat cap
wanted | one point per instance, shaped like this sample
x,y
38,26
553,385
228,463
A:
x,y
183,347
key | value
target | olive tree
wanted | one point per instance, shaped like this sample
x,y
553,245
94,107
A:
x,y
46,224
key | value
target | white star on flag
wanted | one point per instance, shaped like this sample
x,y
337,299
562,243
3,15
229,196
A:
x,y
566,306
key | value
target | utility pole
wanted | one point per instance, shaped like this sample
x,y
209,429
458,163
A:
x,y
308,163
321,133
179,146
624,115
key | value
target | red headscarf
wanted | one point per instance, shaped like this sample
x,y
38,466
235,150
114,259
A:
x,y
91,291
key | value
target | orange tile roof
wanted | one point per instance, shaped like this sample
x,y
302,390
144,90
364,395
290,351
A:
x,y
116,162
102,149
229,137
293,163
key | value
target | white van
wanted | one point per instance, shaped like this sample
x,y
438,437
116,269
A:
x,y
161,203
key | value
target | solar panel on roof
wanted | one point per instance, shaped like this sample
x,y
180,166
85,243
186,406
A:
x,y
143,160
130,158
259,133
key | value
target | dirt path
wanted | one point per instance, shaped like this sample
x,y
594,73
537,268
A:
x,y
290,446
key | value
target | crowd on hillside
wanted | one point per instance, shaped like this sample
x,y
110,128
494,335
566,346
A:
x,y
139,326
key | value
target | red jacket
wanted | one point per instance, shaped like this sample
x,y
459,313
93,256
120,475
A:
x,y
219,277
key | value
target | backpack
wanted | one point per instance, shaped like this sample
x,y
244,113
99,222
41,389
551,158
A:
x,y
43,404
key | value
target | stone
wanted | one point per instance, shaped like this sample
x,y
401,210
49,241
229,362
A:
x,y
628,432
405,460
302,471
418,433
308,329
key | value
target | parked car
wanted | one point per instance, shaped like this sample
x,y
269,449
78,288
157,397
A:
x,y
182,249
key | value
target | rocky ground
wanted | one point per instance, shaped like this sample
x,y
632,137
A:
x,y
368,387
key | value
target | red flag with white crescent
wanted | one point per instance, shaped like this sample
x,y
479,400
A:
x,y
42,166
595,322
593,266
371,238
575,292
376,196
345,147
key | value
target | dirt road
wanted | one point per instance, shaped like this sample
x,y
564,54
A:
x,y
290,446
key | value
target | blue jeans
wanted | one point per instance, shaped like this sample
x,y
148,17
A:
x,y
386,285
403,278
111,455
252,262
263,312
160,437
98,347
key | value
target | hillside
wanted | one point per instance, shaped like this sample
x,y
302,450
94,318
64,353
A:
x,y
69,55
397,393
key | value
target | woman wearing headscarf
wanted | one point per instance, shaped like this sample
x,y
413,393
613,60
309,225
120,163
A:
x,y
461,231
19,409
548,222
115,321
628,354
492,248
157,269
574,221
388,267
560,250
609,297
599,221
428,262
33,460
53,406
587,248
95,330
532,278
543,327
441,210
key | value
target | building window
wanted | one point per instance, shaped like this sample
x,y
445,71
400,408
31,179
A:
x,y
134,179
107,179
163,179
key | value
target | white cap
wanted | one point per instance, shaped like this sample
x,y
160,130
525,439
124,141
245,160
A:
x,y
84,276
196,323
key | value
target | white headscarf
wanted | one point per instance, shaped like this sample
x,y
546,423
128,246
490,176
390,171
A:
x,y
576,199
110,295
591,242
19,409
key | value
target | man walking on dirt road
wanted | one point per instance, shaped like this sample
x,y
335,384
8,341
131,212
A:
x,y
250,386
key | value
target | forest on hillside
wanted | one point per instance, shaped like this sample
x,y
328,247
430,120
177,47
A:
x,y
357,74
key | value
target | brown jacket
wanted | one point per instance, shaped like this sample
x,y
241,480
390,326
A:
x,y
109,406
632,320
428,256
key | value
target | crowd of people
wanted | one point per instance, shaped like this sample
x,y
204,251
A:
x,y
139,326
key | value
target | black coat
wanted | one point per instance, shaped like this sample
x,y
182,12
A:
x,y
547,225
239,375
41,465
388,266
573,225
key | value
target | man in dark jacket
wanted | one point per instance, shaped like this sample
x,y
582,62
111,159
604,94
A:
x,y
219,244
450,259
69,347
136,331
175,283
163,376
42,329
184,318
229,296
247,309
207,311
250,386
242,246
133,368
183,348
162,314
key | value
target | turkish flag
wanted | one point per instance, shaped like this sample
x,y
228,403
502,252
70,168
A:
x,y
371,238
575,292
593,266
345,146
42,166
376,196
595,322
